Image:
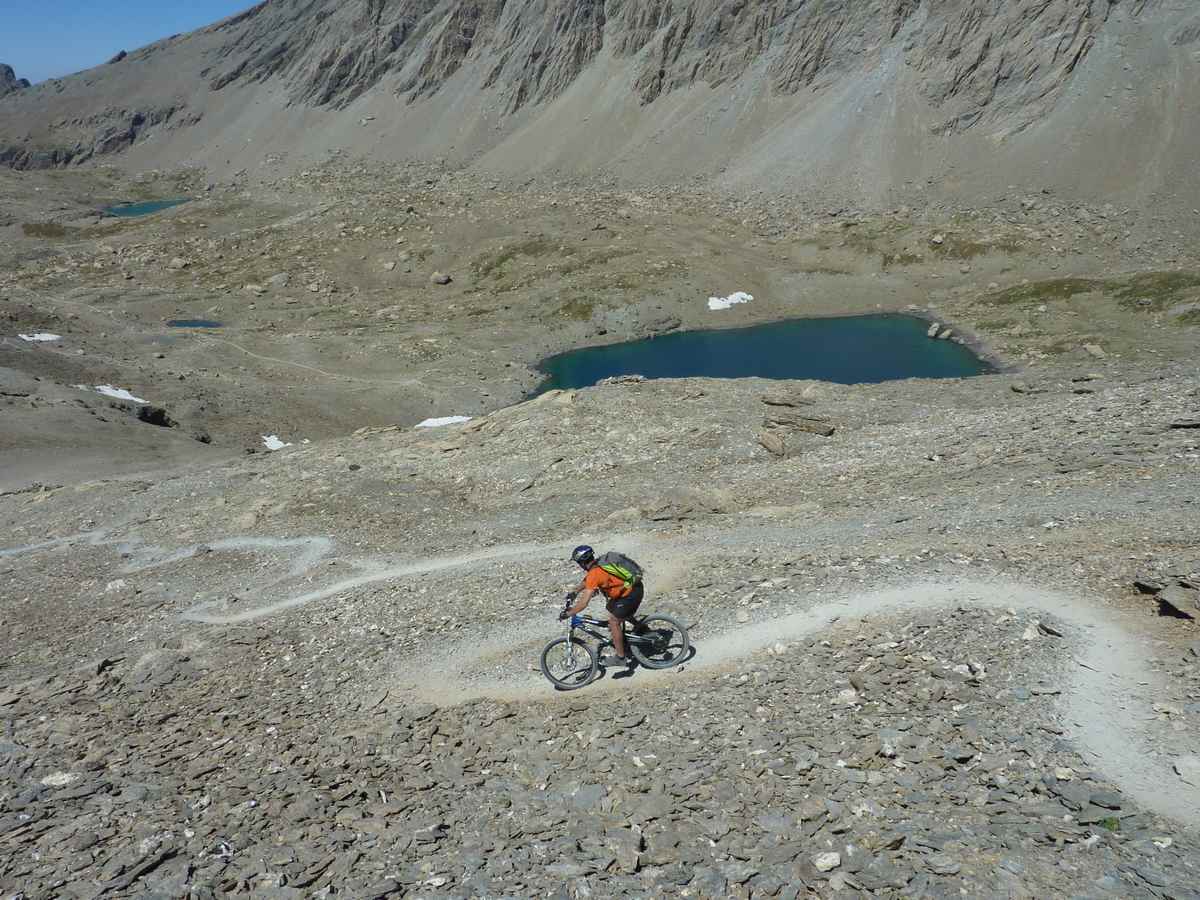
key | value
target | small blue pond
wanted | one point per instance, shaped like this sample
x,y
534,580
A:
x,y
848,350
145,208
193,323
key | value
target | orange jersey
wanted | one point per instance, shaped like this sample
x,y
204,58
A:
x,y
610,586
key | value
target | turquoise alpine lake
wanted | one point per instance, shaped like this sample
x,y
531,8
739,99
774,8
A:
x,y
193,323
846,349
145,208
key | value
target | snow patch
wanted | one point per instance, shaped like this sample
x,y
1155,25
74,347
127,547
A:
x,y
60,779
444,420
726,302
40,337
115,392
272,442
118,393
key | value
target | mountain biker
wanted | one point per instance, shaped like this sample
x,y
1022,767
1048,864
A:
x,y
622,601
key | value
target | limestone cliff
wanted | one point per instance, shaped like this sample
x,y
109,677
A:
x,y
757,89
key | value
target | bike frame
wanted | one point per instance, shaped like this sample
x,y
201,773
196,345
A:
x,y
586,624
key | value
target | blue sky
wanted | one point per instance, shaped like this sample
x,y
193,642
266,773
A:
x,y
48,39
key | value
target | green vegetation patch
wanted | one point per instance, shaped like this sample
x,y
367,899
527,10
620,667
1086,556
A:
x,y
595,258
1041,291
47,230
1191,317
494,263
578,310
824,270
901,259
957,247
1154,291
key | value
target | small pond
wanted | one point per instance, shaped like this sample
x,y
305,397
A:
x,y
145,208
847,350
193,323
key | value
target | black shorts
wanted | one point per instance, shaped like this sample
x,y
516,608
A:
x,y
627,606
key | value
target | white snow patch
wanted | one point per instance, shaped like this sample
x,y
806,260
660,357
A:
x,y
726,302
272,442
444,420
60,779
40,337
118,393
115,392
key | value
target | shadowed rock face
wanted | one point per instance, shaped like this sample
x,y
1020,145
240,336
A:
x,y
944,67
9,82
974,58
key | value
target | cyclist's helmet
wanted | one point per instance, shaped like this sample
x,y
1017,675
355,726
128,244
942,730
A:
x,y
584,555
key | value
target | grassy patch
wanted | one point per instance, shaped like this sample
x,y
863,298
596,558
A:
x,y
578,310
1161,289
1155,291
494,264
48,230
1041,291
960,248
1191,317
901,259
998,324
1065,345
957,247
863,240
824,270
1112,823
595,258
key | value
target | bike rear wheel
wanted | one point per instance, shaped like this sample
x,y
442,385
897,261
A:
x,y
569,663
659,642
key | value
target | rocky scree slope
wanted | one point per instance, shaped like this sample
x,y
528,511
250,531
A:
x,y
532,52
483,76
916,754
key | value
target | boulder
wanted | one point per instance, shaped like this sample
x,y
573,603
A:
x,y
1188,769
9,82
772,442
1178,602
783,418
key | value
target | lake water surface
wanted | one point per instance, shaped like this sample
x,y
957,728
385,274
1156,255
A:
x,y
193,323
847,350
145,208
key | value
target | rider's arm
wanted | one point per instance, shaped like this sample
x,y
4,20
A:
x,y
581,602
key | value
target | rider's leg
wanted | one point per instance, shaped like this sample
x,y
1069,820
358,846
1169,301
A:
x,y
618,612
616,627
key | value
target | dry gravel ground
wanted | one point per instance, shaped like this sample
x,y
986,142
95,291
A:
x,y
308,672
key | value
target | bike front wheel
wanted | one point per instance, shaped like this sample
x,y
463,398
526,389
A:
x,y
659,642
569,663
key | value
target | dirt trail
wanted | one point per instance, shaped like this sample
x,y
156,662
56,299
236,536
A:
x,y
1107,692
403,382
1108,688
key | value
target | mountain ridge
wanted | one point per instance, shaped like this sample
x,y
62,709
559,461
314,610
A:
x,y
869,96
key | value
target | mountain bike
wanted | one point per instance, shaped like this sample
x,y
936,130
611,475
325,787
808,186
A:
x,y
570,662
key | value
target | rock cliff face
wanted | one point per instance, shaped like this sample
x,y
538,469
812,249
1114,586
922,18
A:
x,y
463,77
9,82
973,58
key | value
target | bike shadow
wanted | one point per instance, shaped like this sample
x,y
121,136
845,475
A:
x,y
631,671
